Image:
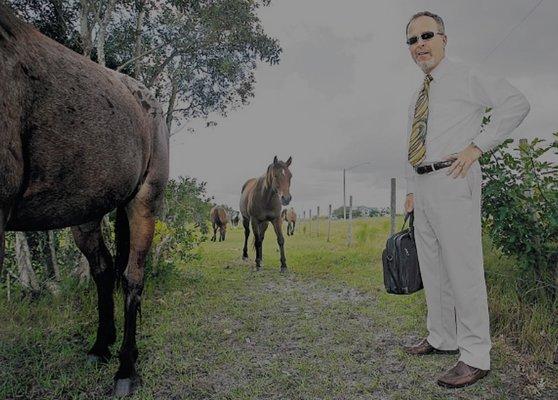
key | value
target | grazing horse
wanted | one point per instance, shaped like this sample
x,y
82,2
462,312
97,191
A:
x,y
219,219
235,218
260,202
289,216
77,141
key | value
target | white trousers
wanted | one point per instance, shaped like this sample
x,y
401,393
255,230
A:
x,y
449,247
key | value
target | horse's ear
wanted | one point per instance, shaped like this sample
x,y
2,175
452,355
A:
x,y
289,161
275,160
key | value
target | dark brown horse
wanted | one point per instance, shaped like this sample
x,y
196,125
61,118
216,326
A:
x,y
219,220
77,141
289,215
260,202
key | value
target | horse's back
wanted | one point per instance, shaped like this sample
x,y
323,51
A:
x,y
219,216
88,138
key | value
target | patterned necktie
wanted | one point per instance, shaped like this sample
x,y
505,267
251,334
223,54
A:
x,y
417,148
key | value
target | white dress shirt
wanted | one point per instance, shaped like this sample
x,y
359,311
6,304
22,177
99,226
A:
x,y
458,98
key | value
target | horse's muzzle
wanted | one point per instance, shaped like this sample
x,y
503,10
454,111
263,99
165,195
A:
x,y
285,200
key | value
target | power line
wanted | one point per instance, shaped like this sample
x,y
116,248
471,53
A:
x,y
510,32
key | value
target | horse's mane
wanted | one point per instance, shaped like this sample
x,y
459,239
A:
x,y
268,177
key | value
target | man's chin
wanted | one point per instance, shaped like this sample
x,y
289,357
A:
x,y
426,66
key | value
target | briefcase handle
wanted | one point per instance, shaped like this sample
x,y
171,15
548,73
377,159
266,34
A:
x,y
409,216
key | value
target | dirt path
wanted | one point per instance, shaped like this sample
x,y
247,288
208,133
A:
x,y
271,336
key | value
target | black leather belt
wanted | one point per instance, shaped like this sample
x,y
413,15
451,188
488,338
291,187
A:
x,y
426,168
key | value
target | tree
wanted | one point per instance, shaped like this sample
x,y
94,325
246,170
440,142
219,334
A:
x,y
197,56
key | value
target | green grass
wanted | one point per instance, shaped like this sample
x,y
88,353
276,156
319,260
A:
x,y
216,329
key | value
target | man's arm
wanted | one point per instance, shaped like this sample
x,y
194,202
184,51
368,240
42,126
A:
x,y
509,108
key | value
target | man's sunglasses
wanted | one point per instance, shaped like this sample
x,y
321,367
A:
x,y
425,36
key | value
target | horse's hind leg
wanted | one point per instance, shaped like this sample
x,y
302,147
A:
x,y
89,239
246,224
140,214
214,237
281,242
259,229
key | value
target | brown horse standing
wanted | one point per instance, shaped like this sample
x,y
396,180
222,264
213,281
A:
x,y
77,141
260,202
290,217
219,220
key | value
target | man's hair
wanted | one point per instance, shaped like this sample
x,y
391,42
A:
x,y
436,18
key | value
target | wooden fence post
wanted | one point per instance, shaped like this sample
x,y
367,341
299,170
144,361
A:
x,y
350,233
392,206
329,224
318,222
310,222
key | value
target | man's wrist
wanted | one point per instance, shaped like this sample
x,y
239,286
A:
x,y
476,148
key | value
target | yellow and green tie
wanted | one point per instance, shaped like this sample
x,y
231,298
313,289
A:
x,y
417,148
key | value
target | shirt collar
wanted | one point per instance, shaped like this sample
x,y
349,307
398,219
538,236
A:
x,y
440,69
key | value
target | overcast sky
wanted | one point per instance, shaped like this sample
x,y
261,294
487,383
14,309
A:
x,y
340,95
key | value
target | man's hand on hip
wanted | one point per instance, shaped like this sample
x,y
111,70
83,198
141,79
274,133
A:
x,y
409,203
463,161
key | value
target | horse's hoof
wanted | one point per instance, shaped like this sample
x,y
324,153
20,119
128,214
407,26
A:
x,y
244,258
98,357
124,387
94,359
283,269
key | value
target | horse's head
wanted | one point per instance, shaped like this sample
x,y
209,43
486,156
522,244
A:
x,y
278,178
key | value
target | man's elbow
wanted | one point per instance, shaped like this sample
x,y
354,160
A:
x,y
523,107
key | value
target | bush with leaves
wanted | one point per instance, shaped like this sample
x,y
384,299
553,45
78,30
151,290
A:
x,y
183,224
520,211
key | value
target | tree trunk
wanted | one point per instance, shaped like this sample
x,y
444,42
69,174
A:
x,y
23,257
137,47
101,47
172,101
85,29
82,270
52,252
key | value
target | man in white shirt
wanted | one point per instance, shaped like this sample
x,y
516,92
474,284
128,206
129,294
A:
x,y
444,190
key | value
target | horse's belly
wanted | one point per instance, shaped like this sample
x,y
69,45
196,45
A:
x,y
46,207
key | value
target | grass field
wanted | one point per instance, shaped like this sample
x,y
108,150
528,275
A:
x,y
217,329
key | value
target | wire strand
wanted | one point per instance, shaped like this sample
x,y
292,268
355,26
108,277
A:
x,y
510,32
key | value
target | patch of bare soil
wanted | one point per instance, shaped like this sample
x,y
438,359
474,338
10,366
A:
x,y
295,339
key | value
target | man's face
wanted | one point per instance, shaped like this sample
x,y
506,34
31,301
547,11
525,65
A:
x,y
426,54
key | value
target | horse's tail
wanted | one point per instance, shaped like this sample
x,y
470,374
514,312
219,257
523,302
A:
x,y
122,234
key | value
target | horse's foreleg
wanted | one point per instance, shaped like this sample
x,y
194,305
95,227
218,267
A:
x,y
281,242
246,224
89,240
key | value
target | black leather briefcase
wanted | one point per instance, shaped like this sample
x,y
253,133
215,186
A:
x,y
401,266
